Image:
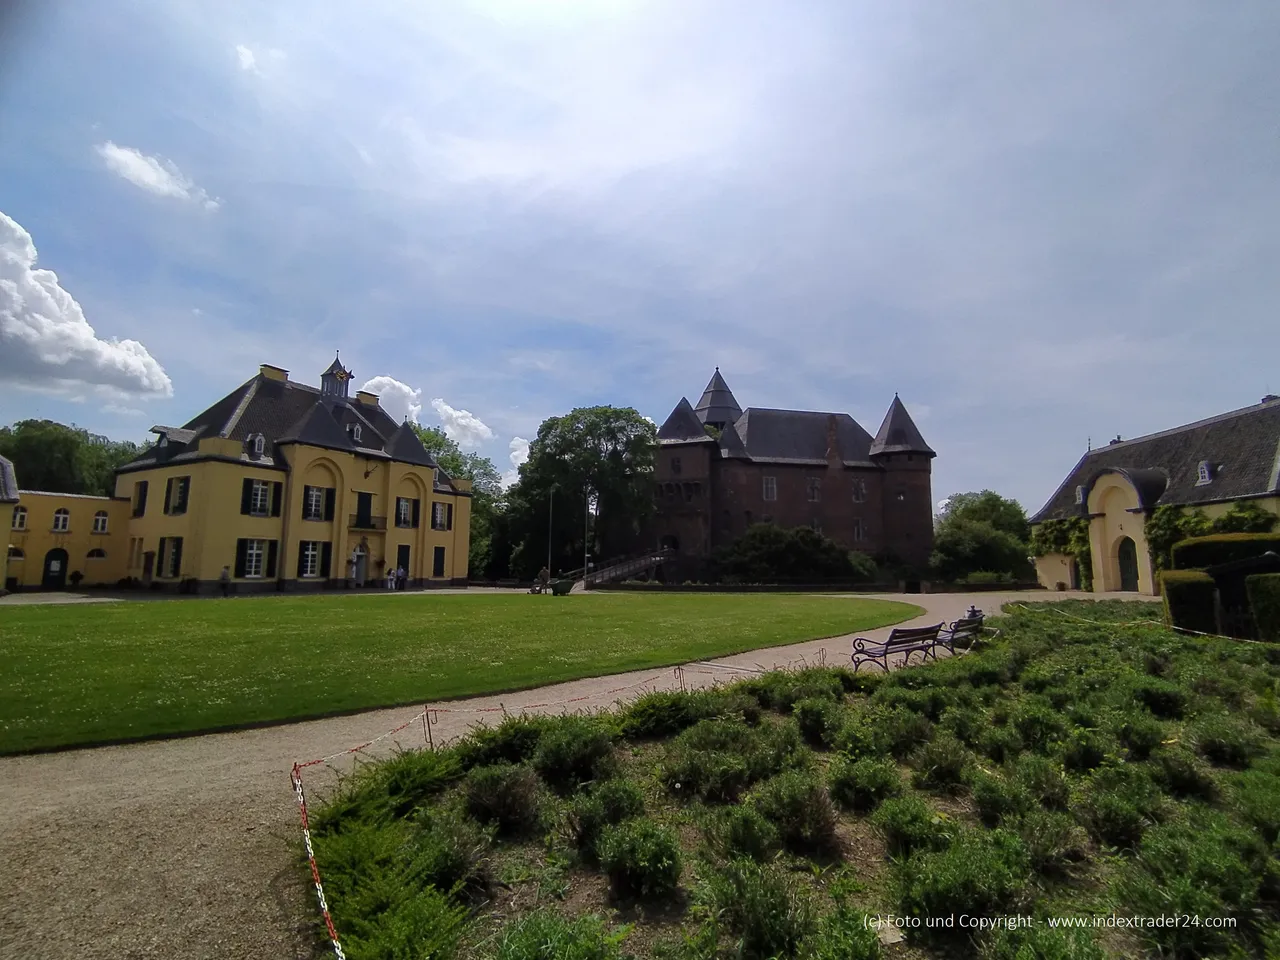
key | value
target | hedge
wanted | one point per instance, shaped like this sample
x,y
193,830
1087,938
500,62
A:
x,y
1188,600
1200,552
1264,604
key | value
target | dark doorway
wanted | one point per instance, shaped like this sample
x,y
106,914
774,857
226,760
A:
x,y
671,542
1073,574
55,570
437,563
402,559
1128,556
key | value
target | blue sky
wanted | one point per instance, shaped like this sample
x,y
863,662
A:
x,y
1039,223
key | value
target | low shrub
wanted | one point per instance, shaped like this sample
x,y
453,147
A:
x,y
1263,590
843,934
819,720
1226,741
609,803
1041,942
514,740
1085,750
861,785
965,724
1164,699
1043,779
743,831
1256,797
574,751
386,791
904,730
1037,724
504,795
1181,774
641,859
1118,804
449,853
998,798
930,701
1140,733
762,906
908,824
1188,597
421,923
546,935
1053,840
716,760
941,765
982,873
861,735
662,713
781,689
797,803
1000,744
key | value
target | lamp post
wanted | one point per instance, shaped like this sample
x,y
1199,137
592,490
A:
x,y
586,534
551,501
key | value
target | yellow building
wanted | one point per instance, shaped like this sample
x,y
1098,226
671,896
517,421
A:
x,y
284,485
1208,465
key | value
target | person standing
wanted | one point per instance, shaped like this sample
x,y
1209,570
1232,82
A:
x,y
224,581
400,578
391,578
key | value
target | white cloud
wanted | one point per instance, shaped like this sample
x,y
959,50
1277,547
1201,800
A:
x,y
461,425
519,448
46,342
123,411
399,399
153,174
247,60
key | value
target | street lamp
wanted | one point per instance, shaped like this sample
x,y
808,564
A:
x,y
551,500
586,534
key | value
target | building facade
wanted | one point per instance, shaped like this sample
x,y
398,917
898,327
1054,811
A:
x,y
285,485
1208,465
720,468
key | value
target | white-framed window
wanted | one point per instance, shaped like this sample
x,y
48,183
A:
x,y
1204,473
1079,494
260,498
438,516
404,512
859,490
254,553
100,522
19,518
859,530
61,520
313,503
770,490
355,432
259,445
814,485
310,558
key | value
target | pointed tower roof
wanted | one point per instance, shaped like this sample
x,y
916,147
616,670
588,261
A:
x,y
682,425
405,446
731,444
717,404
336,366
898,433
318,428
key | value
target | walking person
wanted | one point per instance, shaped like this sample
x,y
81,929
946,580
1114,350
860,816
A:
x,y
391,578
224,581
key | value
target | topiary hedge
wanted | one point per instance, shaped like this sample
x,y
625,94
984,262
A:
x,y
1200,552
1264,603
1189,600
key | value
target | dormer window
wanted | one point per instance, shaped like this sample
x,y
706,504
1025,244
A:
x,y
355,433
1204,473
259,445
1079,495
164,440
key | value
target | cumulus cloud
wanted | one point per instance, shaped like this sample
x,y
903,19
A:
x,y
519,448
400,400
461,425
247,60
153,174
45,340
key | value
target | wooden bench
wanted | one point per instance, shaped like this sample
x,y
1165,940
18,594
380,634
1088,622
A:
x,y
964,631
905,640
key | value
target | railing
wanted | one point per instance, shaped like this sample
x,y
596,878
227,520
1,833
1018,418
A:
x,y
634,565
361,522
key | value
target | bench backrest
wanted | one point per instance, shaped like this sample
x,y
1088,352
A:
x,y
903,635
967,625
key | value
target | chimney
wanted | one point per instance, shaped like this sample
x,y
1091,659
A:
x,y
364,396
272,372
1116,440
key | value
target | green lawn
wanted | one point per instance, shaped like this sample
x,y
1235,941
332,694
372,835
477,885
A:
x,y
91,673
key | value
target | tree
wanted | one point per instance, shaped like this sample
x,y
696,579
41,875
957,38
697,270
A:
x,y
486,491
64,459
770,554
962,547
1070,537
1168,524
596,456
988,506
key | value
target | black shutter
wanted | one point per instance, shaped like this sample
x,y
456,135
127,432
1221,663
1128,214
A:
x,y
142,498
326,558
160,567
276,490
448,513
168,494
177,556
330,495
306,501
242,551
417,512
246,500
273,548
301,554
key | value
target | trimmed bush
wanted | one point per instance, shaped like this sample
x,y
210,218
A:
x,y
861,735
797,803
908,824
819,720
448,852
1000,744
1119,804
1164,699
1182,774
512,741
1037,724
388,790
1188,597
662,714
1043,779
423,924
1226,741
504,795
743,831
1263,590
611,802
546,935
997,798
1197,553
1053,840
574,751
843,934
1140,733
981,874
763,907
905,730
1085,750
941,764
641,859
965,723
781,689
861,785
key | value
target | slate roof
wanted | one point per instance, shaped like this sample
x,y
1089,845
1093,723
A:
x,y
284,412
1242,448
731,444
800,436
717,404
899,434
8,482
682,425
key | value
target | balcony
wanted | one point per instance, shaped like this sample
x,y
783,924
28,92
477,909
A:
x,y
361,521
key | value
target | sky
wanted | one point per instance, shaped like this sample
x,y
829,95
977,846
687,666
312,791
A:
x,y
1040,224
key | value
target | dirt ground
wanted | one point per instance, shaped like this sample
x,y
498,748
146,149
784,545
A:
x,y
190,849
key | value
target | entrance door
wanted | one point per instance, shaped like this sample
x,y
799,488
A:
x,y
402,559
360,566
437,563
1128,555
55,570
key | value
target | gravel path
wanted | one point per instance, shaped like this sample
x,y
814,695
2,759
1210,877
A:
x,y
188,849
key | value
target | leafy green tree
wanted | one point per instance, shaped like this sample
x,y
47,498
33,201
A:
x,y
767,553
64,459
1245,517
962,547
1168,524
987,506
486,491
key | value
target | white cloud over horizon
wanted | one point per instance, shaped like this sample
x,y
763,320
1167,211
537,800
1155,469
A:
x,y
461,425
398,399
155,175
518,453
47,344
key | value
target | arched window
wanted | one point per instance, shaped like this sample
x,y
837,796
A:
x,y
259,445
19,518
96,554
61,520
100,522
15,553
355,433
